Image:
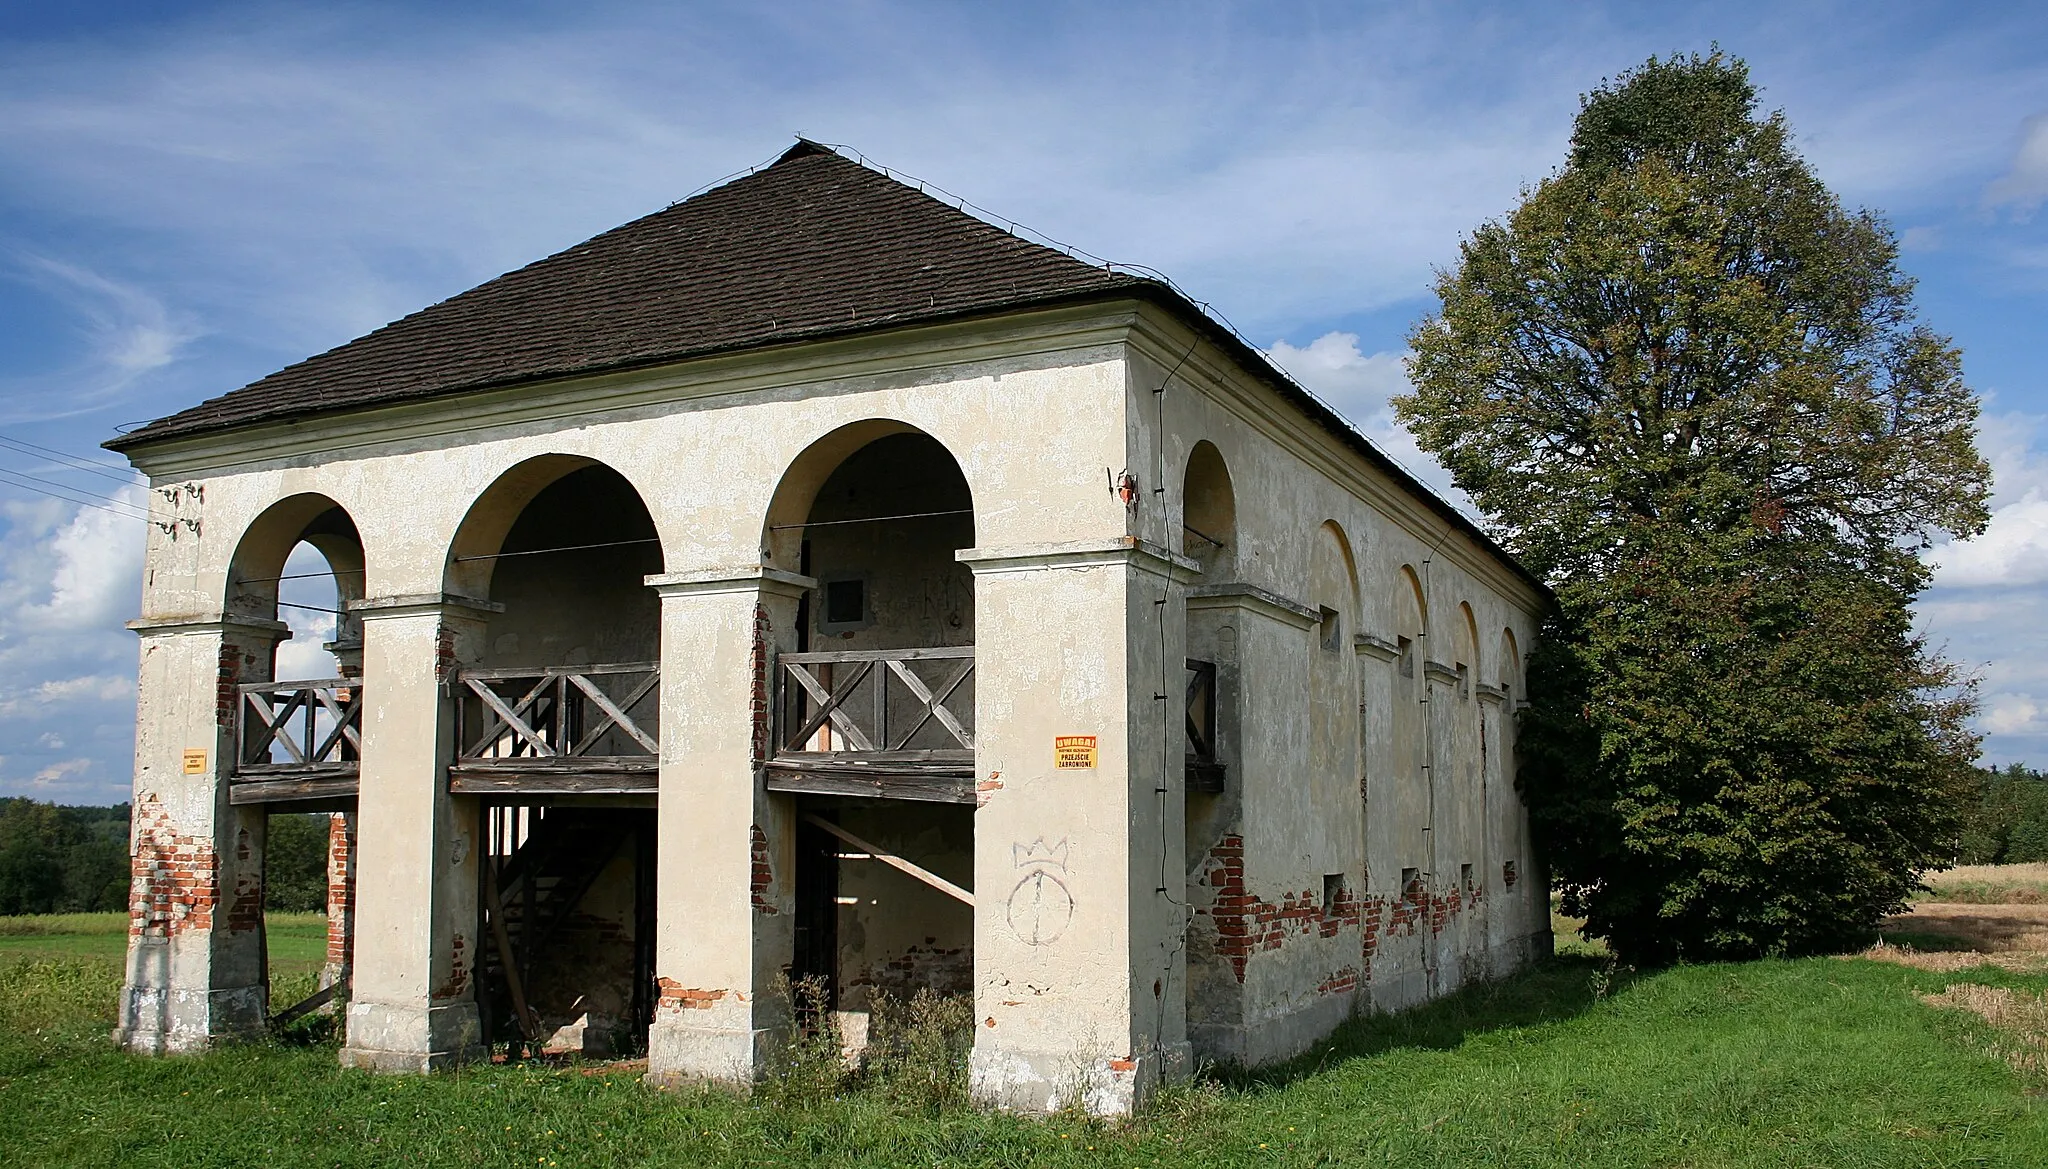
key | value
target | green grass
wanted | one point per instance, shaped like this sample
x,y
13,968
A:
x,y
297,941
1813,1062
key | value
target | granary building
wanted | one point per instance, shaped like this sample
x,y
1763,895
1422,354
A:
x,y
814,580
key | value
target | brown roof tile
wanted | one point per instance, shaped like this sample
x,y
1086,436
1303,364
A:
x,y
815,245
811,246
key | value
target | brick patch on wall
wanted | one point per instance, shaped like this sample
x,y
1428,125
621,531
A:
x,y
174,879
341,890
763,713
675,997
227,693
1246,924
763,878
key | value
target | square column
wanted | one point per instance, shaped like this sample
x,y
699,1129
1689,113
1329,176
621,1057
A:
x,y
725,922
196,972
1080,884
413,1007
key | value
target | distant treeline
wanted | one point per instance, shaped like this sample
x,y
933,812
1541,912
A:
x,y
59,859
2008,822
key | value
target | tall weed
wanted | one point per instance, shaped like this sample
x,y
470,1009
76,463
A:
x,y
917,1048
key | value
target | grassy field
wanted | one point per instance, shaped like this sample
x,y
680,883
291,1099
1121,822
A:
x,y
1848,1062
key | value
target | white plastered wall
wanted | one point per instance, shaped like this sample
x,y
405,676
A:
x,y
1276,963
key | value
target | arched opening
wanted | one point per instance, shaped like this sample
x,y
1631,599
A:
x,y
557,728
1334,733
297,712
874,730
1209,513
1410,725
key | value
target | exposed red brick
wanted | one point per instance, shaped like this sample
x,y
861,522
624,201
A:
x,y
677,997
227,693
763,712
174,878
445,662
1246,924
341,891
458,972
763,879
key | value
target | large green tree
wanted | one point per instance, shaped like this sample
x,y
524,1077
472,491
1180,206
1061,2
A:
x,y
1688,386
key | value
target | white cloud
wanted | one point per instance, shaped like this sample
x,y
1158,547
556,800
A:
x,y
2025,184
98,687
2013,714
127,332
2013,550
1359,385
97,578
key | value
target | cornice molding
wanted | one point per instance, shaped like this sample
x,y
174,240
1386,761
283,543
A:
x,y
1117,550
208,623
1253,599
751,578
1370,646
905,356
421,605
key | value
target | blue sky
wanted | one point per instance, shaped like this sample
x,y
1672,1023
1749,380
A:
x,y
192,195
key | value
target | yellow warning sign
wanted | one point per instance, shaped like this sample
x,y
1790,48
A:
x,y
1073,752
195,762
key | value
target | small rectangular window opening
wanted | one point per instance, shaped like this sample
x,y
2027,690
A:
x,y
1333,630
1508,876
1333,892
1407,657
846,604
1465,878
1411,884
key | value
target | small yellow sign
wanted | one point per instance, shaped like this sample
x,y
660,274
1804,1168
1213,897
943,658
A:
x,y
195,762
1073,752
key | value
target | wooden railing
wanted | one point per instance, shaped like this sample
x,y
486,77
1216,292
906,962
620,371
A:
x,y
311,725
298,742
564,715
894,722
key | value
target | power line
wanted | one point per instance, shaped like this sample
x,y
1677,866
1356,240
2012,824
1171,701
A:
x,y
75,462
55,491
564,548
873,519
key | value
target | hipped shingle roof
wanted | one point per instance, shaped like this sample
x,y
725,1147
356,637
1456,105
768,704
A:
x,y
814,245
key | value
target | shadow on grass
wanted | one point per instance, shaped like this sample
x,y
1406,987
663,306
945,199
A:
x,y
1555,990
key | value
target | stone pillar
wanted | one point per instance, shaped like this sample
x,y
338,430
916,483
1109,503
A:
x,y
724,926
413,1006
1080,885
341,899
195,939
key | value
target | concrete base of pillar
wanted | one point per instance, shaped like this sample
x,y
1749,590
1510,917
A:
x,y
678,1053
1049,1081
157,1020
384,1037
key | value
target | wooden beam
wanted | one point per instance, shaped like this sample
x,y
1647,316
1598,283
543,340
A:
x,y
561,777
895,862
277,791
919,788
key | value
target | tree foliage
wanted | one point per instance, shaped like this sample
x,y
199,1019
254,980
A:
x,y
59,859
2006,822
1689,387
56,859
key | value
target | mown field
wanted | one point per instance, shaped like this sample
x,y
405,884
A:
x,y
1922,1057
